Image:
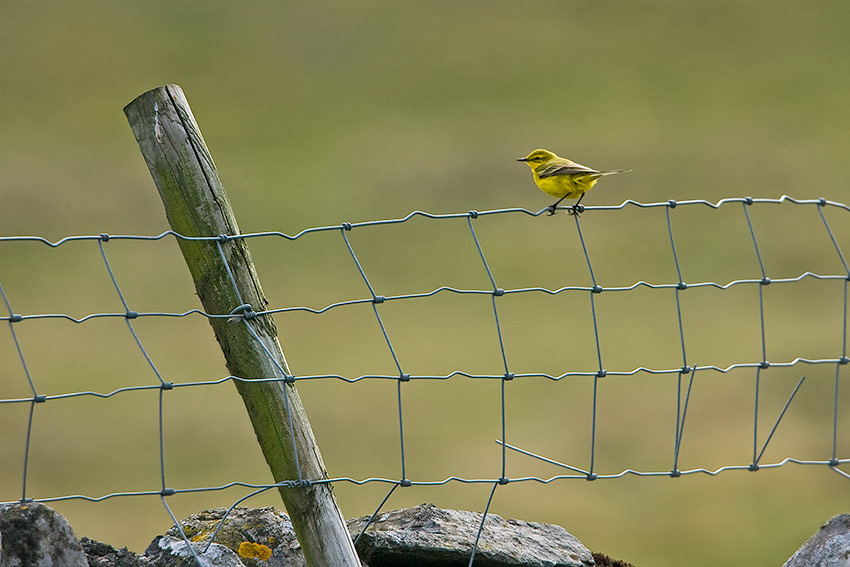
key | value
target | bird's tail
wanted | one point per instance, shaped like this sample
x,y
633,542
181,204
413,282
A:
x,y
613,171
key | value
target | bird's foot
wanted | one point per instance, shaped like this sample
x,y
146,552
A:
x,y
552,210
575,210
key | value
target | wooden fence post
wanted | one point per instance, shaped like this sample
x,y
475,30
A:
x,y
196,205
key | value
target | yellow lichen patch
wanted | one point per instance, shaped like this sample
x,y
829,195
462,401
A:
x,y
251,550
200,536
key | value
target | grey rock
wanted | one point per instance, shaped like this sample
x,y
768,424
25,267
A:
x,y
426,536
36,536
603,560
104,555
829,547
261,537
168,551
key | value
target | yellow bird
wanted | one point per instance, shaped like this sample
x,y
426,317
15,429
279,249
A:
x,y
562,178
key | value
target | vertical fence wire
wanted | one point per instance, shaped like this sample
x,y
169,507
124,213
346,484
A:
x,y
764,364
497,292
36,398
844,359
402,376
679,288
600,373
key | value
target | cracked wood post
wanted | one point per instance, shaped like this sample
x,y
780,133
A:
x,y
197,205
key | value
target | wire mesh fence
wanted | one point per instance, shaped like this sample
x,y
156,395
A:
x,y
583,288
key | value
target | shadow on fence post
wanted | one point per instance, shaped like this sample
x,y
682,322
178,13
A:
x,y
196,205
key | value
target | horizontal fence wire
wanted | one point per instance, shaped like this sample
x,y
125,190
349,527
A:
x,y
685,374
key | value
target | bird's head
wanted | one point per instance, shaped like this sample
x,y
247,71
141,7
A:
x,y
537,157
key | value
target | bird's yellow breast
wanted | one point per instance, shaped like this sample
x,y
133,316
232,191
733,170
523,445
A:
x,y
565,186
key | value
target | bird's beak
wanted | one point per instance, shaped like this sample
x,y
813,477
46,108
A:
x,y
522,159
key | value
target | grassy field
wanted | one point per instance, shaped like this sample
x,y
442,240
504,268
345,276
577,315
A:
x,y
325,112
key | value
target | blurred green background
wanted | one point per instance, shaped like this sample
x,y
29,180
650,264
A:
x,y
323,112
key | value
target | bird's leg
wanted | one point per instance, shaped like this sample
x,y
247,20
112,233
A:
x,y
574,210
553,208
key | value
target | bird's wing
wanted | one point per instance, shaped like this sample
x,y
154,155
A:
x,y
568,168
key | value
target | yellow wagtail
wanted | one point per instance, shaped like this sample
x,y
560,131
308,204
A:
x,y
563,178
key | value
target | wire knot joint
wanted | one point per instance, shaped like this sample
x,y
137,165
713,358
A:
x,y
245,310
